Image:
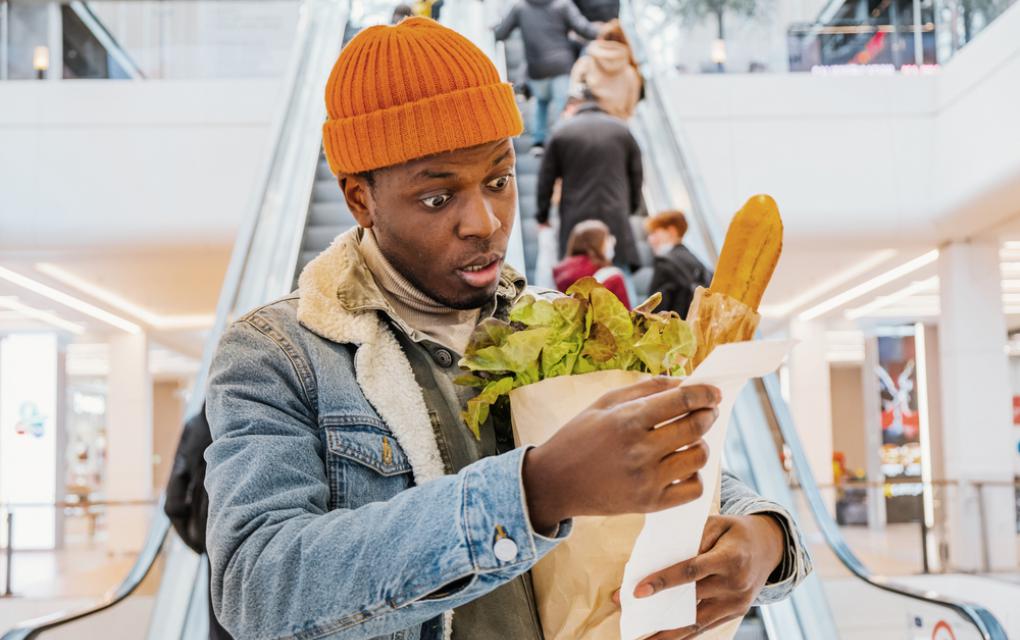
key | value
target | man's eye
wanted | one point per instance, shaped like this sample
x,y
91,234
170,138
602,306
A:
x,y
500,183
435,202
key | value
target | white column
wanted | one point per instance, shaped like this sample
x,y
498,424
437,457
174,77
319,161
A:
x,y
873,435
129,440
976,407
31,422
811,401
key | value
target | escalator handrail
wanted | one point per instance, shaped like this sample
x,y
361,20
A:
x,y
775,406
159,526
151,547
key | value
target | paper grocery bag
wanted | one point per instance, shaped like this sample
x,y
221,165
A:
x,y
574,583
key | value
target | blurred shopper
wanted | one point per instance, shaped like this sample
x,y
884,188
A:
x,y
400,12
590,251
348,499
609,71
599,10
187,503
677,271
546,26
599,163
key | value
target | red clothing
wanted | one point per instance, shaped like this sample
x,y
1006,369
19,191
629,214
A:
x,y
572,269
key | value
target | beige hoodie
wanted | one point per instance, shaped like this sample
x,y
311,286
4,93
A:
x,y
606,70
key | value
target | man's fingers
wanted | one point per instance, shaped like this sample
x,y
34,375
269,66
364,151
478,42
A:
x,y
693,570
715,527
682,492
653,410
713,587
675,634
684,431
642,389
682,464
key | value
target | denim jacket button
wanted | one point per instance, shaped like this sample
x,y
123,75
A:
x,y
443,358
505,549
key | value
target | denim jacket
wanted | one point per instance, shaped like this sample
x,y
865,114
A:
x,y
330,513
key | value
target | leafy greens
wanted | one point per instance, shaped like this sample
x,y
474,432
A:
x,y
587,330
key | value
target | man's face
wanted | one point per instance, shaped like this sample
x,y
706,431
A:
x,y
444,221
662,239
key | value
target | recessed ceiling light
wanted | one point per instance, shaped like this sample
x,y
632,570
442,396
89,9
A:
x,y
783,309
853,293
69,301
52,319
122,304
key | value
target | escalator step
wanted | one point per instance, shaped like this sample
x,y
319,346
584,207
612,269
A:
x,y
528,208
528,164
322,172
330,214
527,186
317,239
327,191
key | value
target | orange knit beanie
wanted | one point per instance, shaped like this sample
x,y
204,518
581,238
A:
x,y
412,90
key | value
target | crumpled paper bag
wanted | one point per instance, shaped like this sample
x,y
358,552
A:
x,y
574,583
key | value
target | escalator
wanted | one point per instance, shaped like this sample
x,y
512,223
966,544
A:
x,y
297,212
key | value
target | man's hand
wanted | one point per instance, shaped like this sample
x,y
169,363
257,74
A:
x,y
611,459
737,555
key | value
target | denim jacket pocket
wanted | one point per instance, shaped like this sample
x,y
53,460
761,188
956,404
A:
x,y
365,465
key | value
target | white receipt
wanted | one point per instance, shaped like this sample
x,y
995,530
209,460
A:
x,y
674,535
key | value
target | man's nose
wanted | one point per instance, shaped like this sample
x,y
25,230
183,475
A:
x,y
479,219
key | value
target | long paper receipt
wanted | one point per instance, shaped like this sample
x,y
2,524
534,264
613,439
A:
x,y
674,535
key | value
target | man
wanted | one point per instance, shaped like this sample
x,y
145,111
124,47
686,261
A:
x,y
550,53
599,162
676,271
347,497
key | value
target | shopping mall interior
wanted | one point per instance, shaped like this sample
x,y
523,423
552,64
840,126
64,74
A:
x,y
161,173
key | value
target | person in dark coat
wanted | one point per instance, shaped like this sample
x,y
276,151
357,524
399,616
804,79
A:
x,y
599,162
187,503
546,26
677,271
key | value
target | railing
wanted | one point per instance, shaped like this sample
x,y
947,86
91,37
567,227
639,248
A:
x,y
846,36
145,39
151,547
764,406
261,266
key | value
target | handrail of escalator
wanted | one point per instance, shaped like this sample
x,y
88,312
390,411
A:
x,y
154,539
775,406
159,526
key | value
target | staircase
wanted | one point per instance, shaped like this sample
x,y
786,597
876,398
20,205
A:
x,y
328,216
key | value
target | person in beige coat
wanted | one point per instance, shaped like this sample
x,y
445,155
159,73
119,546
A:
x,y
609,71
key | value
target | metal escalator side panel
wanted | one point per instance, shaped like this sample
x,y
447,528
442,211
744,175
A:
x,y
151,548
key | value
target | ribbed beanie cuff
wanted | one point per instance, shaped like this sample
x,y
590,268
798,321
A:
x,y
406,132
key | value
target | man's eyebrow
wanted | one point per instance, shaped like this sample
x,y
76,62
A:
x,y
435,175
501,158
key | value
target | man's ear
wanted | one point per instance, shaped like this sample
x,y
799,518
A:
x,y
358,194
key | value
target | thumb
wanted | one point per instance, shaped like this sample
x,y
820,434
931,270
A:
x,y
715,527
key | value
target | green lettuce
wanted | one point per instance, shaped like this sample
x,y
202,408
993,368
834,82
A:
x,y
587,330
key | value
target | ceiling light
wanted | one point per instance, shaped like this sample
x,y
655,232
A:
x,y
49,318
885,301
860,268
866,287
122,304
69,301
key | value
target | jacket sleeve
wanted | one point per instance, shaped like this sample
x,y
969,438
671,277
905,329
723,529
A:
x,y
506,26
284,565
578,23
740,500
548,174
578,72
664,281
635,173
